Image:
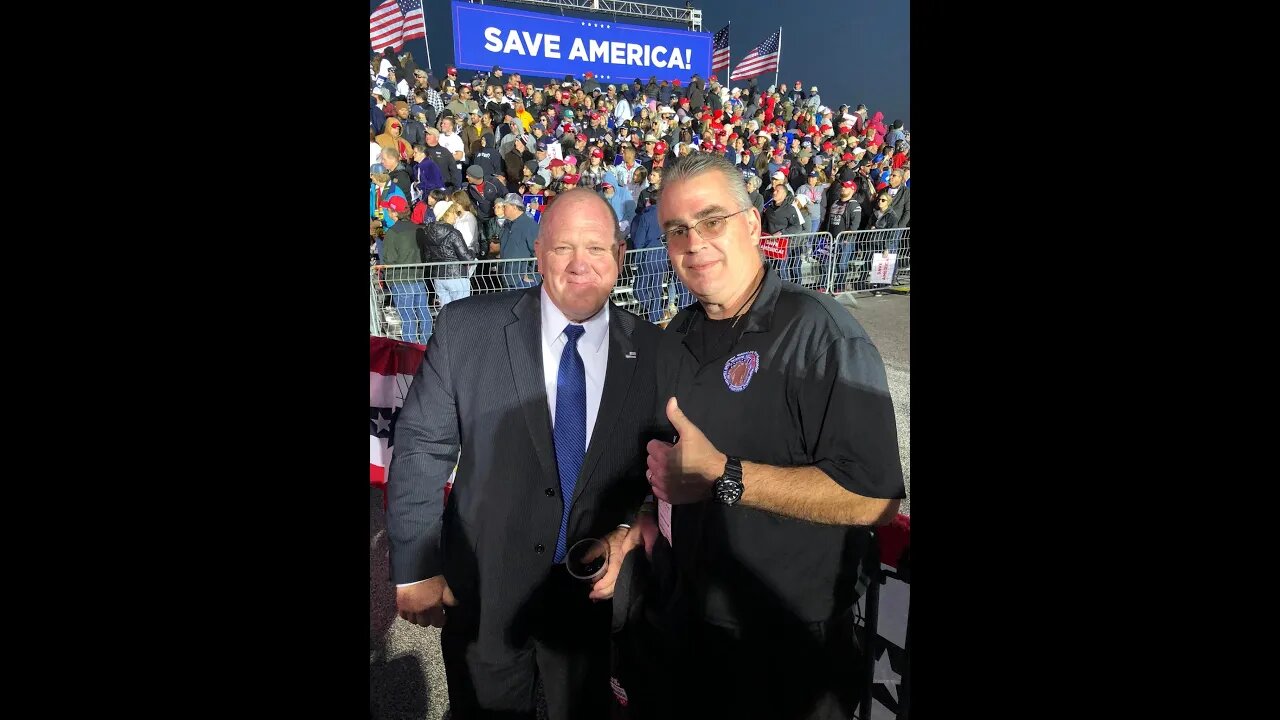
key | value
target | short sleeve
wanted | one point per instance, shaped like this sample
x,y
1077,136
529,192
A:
x,y
853,438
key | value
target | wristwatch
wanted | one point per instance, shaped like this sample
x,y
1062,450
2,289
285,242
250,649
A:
x,y
728,488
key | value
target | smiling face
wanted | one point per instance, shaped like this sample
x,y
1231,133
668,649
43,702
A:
x,y
714,269
578,253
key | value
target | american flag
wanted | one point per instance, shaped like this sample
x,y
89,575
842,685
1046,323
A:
x,y
720,50
392,366
759,61
394,22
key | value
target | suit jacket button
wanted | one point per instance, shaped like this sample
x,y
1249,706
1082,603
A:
x,y
550,492
539,548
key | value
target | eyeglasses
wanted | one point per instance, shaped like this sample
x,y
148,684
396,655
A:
x,y
708,228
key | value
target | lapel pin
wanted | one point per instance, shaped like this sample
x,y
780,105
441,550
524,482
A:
x,y
631,355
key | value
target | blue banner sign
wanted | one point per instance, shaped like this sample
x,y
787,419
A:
x,y
552,46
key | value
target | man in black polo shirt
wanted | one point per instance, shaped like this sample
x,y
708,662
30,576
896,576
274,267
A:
x,y
787,451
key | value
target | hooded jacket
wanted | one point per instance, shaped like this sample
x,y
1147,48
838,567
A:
x,y
783,218
622,202
697,95
399,144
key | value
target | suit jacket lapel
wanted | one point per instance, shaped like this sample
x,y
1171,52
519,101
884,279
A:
x,y
524,348
617,381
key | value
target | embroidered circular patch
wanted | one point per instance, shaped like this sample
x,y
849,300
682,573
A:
x,y
739,369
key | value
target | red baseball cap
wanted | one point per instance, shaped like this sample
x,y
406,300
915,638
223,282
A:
x,y
396,203
555,163
778,151
659,148
847,157
813,129
597,152
684,101
676,83
582,137
845,129
733,136
570,179
590,74
595,116
718,114
720,147
827,145
825,128
848,184
606,185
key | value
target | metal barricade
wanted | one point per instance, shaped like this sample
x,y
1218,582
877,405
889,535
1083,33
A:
x,y
799,258
865,261
405,299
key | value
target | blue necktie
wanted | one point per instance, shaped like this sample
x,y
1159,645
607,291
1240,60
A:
x,y
571,427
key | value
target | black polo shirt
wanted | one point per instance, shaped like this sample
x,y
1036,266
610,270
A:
x,y
798,382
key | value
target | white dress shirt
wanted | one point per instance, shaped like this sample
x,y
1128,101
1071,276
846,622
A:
x,y
593,348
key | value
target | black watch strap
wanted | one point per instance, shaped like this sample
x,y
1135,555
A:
x,y
728,488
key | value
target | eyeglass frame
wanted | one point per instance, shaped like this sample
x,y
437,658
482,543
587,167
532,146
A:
x,y
663,238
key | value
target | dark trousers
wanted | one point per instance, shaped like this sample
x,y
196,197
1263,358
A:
x,y
561,638
778,672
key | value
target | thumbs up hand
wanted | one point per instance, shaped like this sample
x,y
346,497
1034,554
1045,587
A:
x,y
686,471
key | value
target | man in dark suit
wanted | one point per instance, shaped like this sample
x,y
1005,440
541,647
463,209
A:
x,y
901,205
549,393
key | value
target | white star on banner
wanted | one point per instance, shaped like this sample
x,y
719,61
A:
x,y
382,423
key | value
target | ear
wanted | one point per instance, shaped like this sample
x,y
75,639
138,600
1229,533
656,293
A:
x,y
753,226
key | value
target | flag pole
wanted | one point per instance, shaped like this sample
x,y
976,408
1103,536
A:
x,y
728,68
428,42
778,69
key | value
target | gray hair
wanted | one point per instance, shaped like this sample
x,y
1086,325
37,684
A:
x,y
692,166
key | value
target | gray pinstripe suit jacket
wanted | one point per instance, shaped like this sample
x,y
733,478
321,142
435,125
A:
x,y
480,386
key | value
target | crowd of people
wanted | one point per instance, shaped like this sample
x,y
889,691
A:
x,y
724,470
454,165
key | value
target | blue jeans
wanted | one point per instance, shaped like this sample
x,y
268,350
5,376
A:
x,y
841,254
515,272
676,289
450,289
410,299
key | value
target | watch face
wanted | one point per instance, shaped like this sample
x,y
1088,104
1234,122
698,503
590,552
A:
x,y
727,492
